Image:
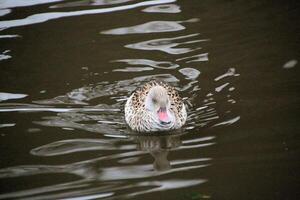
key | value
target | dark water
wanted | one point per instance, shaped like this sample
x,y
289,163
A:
x,y
67,67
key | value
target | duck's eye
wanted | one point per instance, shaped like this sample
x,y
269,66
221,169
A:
x,y
154,101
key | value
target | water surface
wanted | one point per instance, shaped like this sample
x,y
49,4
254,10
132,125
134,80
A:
x,y
67,68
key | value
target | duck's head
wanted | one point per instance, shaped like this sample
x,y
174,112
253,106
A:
x,y
158,103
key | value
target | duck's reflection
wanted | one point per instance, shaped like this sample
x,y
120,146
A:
x,y
158,147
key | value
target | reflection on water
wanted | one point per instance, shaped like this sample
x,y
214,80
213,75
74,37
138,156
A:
x,y
195,58
190,73
123,166
6,96
43,17
166,8
4,56
290,64
150,27
167,45
108,118
7,125
146,62
4,12
230,72
115,90
159,147
63,90
89,3
23,3
8,36
121,152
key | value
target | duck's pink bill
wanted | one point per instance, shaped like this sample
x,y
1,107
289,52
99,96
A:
x,y
163,116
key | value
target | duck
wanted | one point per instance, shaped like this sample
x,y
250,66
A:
x,y
155,106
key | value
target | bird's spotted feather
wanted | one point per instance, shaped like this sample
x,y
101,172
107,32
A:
x,y
139,119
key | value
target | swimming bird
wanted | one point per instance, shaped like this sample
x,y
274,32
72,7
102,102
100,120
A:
x,y
156,106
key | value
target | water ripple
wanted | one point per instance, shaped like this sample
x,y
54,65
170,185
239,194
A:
x,y
89,3
195,58
81,96
133,69
4,12
230,72
166,8
149,27
9,36
38,192
43,17
78,145
158,147
166,185
190,73
121,161
7,125
22,3
229,122
7,96
35,108
151,63
221,87
167,45
4,56
290,64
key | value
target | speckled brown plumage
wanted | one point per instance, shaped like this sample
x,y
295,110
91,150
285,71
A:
x,y
139,119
